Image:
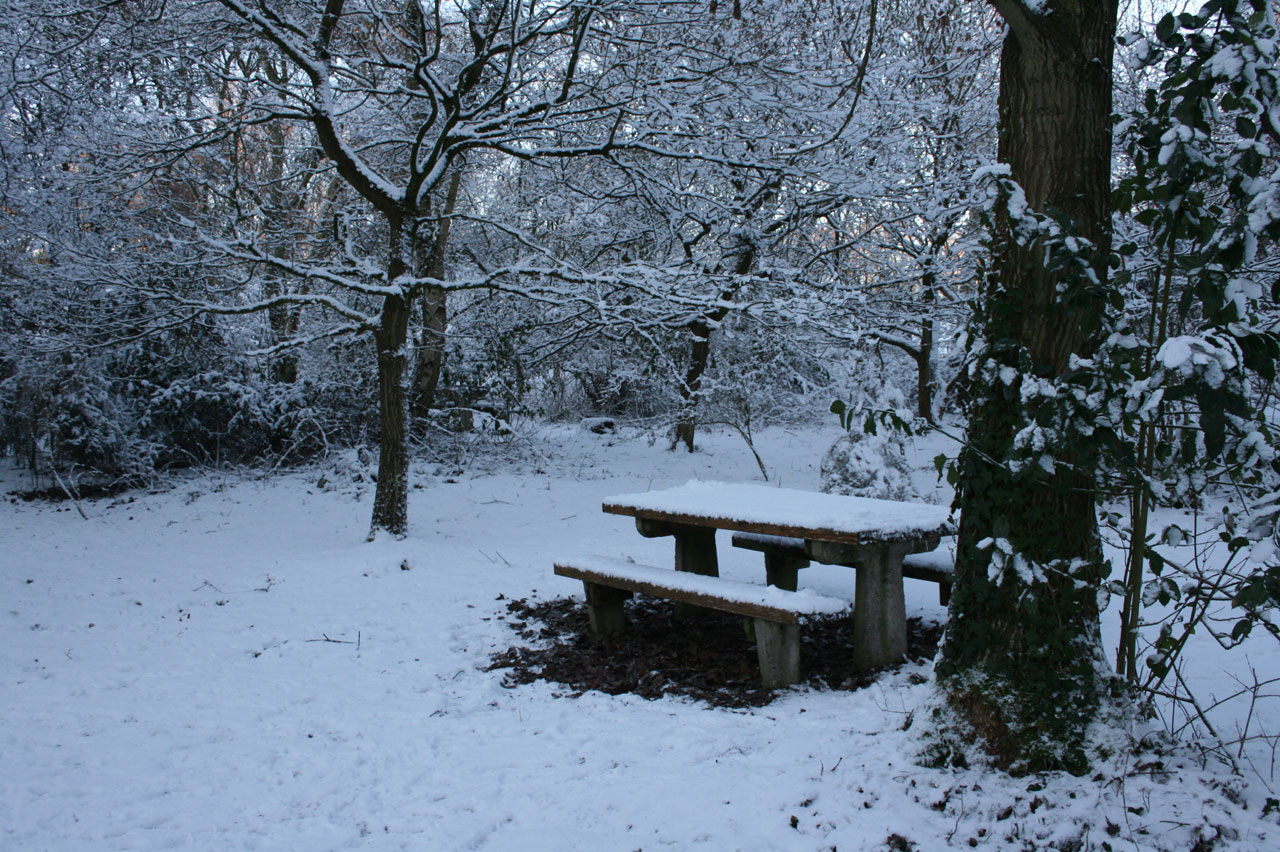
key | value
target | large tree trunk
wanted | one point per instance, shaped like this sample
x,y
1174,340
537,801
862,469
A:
x,y
1021,661
391,499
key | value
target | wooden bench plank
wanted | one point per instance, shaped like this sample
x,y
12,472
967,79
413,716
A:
x,y
775,613
749,599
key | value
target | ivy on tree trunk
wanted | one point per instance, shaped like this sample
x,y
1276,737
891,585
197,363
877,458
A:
x,y
1021,663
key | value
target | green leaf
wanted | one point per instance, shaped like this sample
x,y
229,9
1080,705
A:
x,y
1246,128
1213,420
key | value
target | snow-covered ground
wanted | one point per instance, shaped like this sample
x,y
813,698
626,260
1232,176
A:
x,y
229,665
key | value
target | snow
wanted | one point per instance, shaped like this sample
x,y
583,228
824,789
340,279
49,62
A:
x,y
942,559
228,665
1188,354
735,505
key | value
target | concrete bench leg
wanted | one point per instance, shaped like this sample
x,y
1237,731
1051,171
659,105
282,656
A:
x,y
778,647
604,608
783,571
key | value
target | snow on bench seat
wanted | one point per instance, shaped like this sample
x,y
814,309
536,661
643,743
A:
x,y
748,599
940,562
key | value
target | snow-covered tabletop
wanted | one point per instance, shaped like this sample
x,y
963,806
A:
x,y
785,512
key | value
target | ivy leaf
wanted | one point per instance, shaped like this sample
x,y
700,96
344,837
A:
x,y
1213,420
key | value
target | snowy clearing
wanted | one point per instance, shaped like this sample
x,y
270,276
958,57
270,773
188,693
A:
x,y
229,665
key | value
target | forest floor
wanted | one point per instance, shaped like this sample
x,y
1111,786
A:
x,y
225,663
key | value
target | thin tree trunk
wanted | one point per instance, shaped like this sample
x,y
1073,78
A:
x,y
435,317
1022,657
699,358
924,356
282,208
700,352
924,372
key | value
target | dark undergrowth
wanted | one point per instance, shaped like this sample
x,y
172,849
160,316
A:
x,y
82,491
708,658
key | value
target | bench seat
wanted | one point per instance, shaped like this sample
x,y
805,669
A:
x,y
935,566
775,613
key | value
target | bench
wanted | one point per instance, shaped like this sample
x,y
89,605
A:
x,y
784,556
776,613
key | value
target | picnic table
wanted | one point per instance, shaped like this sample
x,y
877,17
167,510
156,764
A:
x,y
872,536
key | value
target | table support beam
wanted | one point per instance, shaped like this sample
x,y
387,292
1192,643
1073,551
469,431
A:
x,y
879,607
695,552
783,570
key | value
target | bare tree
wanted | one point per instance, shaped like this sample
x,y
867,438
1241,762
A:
x,y
394,97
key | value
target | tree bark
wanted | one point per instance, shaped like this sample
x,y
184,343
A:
x,y
435,316
924,372
391,498
699,358
283,319
1022,659
700,350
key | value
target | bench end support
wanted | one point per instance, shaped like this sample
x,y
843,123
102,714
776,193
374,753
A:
x,y
604,608
778,647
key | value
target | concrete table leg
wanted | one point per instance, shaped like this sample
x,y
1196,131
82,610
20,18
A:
x,y
695,552
879,608
783,571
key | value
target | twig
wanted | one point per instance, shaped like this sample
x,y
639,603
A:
x,y
67,491
334,641
1222,747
